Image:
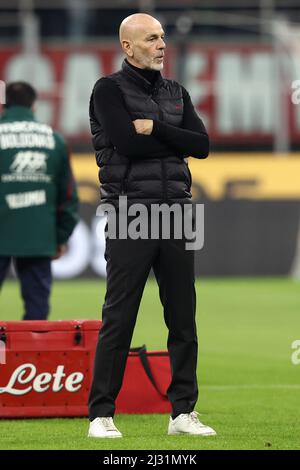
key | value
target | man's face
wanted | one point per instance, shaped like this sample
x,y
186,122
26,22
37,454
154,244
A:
x,y
148,47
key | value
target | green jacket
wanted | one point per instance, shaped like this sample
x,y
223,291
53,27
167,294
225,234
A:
x,y
38,196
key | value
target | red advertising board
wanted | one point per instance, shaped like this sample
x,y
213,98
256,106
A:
x,y
232,86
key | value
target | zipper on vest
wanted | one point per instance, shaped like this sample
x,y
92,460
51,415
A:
x,y
163,166
160,113
163,179
125,179
162,163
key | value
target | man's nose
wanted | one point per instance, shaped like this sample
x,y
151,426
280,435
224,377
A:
x,y
161,44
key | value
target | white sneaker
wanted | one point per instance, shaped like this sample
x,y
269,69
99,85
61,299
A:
x,y
188,423
103,427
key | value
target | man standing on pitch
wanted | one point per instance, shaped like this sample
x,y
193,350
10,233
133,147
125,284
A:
x,y
143,127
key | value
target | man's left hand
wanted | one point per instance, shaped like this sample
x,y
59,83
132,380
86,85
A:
x,y
61,250
143,126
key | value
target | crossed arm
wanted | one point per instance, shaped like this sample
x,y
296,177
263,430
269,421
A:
x,y
145,137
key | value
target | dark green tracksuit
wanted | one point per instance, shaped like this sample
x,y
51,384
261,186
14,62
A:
x,y
38,203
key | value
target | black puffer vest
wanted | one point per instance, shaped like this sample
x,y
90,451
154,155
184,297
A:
x,y
145,180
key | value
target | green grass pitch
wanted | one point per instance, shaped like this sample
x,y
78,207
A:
x,y
249,388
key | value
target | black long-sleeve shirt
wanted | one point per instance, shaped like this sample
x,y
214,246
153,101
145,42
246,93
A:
x,y
109,108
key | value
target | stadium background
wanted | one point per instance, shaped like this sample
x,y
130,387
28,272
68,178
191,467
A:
x,y
238,64
238,60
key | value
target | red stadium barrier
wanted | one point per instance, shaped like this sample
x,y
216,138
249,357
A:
x,y
48,366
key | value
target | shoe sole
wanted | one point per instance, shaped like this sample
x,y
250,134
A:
x,y
104,437
176,433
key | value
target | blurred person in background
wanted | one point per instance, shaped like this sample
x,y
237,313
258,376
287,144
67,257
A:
x,y
38,198
143,127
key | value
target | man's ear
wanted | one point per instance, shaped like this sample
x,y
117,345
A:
x,y
127,48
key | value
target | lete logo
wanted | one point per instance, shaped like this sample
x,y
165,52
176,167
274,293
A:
x,y
40,383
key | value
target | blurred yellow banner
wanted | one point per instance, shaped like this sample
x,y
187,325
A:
x,y
236,176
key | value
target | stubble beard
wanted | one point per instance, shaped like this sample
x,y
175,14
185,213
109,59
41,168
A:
x,y
157,67
150,63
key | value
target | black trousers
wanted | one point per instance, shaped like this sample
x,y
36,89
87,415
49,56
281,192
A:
x,y
35,279
128,266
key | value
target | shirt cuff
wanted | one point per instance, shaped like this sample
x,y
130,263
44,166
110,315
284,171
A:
x,y
157,128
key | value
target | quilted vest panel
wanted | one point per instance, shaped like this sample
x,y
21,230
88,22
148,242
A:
x,y
146,179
